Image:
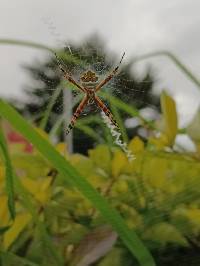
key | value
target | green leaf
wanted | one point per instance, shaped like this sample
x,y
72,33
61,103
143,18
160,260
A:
x,y
9,176
68,172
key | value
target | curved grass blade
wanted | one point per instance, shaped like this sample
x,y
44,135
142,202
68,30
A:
x,y
56,127
67,171
82,125
118,118
40,46
91,119
175,60
87,130
49,107
9,176
26,43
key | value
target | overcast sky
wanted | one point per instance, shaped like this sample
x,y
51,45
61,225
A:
x,y
136,26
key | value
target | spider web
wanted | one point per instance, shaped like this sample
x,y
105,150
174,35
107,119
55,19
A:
x,y
130,88
102,63
127,86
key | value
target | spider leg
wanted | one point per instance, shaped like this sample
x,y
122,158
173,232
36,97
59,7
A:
x,y
67,76
110,76
106,111
77,113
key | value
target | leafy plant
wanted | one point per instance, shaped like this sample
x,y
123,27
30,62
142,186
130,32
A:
x,y
162,206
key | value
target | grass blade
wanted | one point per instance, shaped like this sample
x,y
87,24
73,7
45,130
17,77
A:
x,y
26,43
9,176
175,60
87,130
50,105
118,118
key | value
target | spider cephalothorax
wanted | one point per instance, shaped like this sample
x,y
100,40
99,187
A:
x,y
90,86
89,80
89,76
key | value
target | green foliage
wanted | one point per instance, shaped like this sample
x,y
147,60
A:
x,y
66,170
157,195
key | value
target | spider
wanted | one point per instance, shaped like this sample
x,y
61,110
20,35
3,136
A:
x,y
90,86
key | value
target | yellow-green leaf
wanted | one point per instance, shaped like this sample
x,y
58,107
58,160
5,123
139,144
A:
x,y
155,171
20,222
101,157
165,233
170,122
2,177
82,163
4,212
119,161
40,189
136,145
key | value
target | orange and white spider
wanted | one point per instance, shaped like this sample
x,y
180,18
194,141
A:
x,y
90,86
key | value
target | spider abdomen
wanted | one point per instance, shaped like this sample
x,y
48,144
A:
x,y
91,95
